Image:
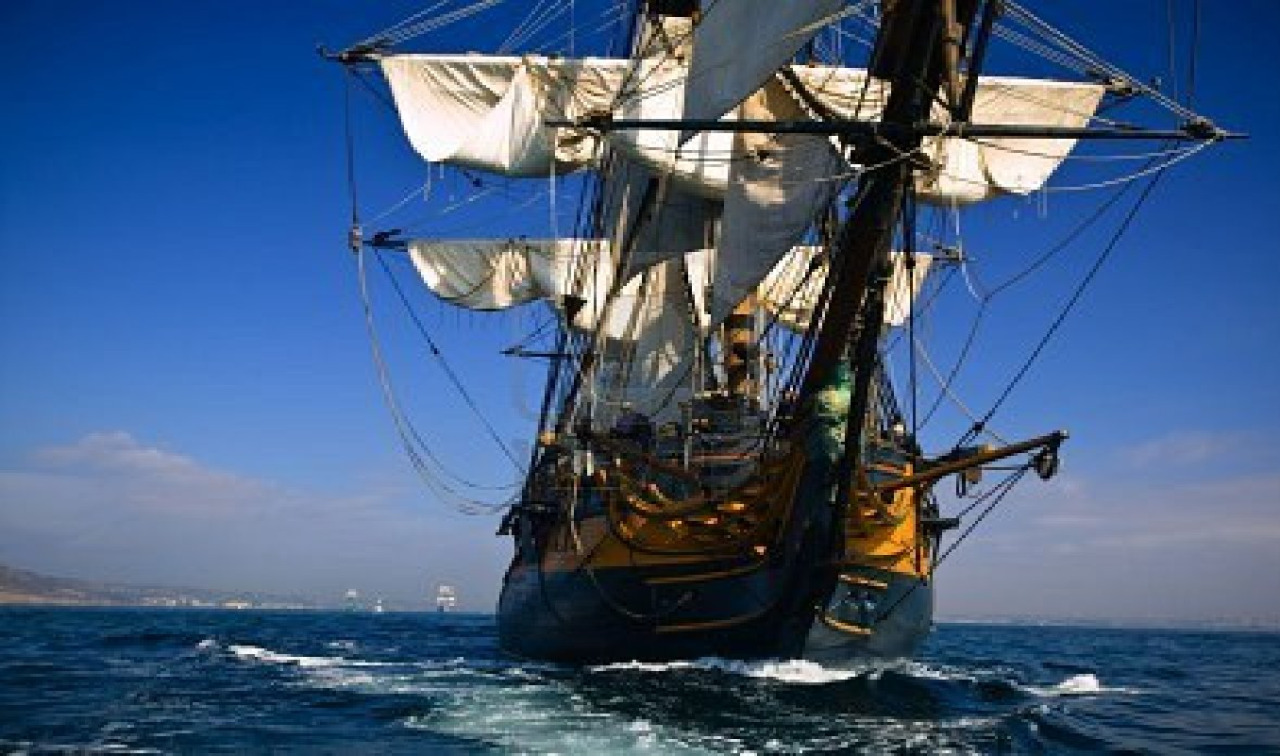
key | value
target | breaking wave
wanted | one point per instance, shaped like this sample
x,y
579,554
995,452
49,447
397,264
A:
x,y
797,671
1078,685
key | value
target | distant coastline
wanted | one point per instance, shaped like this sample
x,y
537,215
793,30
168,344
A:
x,y
29,588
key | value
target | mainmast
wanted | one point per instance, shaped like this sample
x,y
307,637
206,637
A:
x,y
908,53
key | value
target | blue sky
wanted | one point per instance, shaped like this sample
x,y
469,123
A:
x,y
186,393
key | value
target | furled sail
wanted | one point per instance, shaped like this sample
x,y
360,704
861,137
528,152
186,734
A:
x,y
1015,166
968,171
496,274
573,275
489,113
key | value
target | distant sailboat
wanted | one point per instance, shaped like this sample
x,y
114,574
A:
x,y
446,599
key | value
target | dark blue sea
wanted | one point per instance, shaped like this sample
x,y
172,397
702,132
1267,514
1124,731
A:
x,y
191,681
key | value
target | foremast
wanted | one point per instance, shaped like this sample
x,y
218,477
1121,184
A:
x,y
915,52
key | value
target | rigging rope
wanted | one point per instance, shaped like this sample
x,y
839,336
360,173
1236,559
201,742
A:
x,y
349,138
999,491
1194,55
410,438
1069,306
445,366
1067,43
1172,46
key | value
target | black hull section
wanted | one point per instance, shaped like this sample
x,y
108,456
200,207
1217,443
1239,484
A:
x,y
623,614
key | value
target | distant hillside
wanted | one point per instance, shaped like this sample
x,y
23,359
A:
x,y
19,586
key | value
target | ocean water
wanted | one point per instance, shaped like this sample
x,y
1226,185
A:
x,y
161,681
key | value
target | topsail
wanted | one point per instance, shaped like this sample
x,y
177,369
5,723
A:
x,y
490,112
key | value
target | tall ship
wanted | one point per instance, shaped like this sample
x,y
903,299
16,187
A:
x,y
756,213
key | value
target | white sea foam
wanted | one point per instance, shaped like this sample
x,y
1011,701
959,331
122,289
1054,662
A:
x,y
512,707
266,655
802,672
797,671
1077,685
922,671
257,653
207,644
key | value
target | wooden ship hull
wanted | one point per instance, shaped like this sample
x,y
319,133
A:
x,y
566,615
749,574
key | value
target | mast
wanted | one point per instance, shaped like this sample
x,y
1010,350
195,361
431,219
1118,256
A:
x,y
908,54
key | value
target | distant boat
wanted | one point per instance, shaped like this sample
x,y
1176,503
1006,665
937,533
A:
x,y
378,608
446,599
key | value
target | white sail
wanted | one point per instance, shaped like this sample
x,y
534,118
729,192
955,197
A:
x,y
739,44
1022,166
654,218
497,274
791,290
655,91
571,274
489,113
775,187
973,170
647,360
656,320
649,337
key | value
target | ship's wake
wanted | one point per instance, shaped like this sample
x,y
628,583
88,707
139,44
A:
x,y
707,705
804,672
